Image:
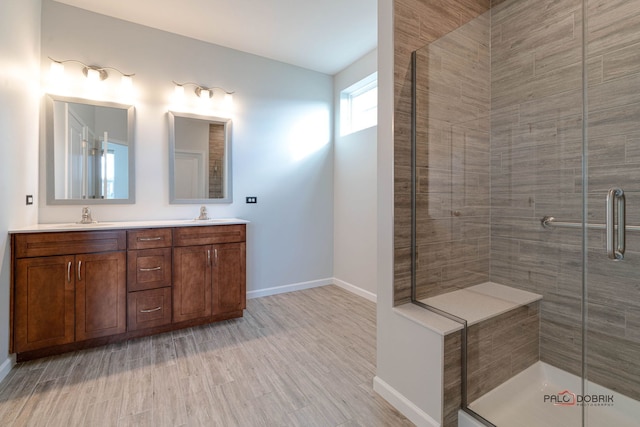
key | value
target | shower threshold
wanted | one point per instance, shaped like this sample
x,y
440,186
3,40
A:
x,y
533,399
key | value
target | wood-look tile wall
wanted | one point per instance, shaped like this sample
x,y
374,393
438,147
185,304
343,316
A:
x,y
536,158
497,349
536,143
452,379
453,159
417,23
613,99
216,160
501,347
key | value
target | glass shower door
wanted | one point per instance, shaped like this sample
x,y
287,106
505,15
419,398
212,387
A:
x,y
612,172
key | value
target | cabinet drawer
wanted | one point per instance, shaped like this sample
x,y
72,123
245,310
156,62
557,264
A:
x,y
78,242
148,269
149,238
151,308
209,235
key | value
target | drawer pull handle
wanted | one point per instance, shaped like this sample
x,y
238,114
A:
x,y
79,270
150,269
149,239
151,310
69,272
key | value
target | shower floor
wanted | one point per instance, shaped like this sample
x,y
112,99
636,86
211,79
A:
x,y
520,402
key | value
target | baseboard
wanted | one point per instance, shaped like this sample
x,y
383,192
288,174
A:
x,y
404,405
355,290
289,288
312,284
6,366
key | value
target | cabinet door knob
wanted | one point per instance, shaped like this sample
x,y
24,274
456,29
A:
x,y
209,256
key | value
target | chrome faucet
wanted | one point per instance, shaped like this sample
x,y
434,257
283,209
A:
x,y
203,214
86,216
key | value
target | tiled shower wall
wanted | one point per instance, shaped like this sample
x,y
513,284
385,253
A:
x,y
536,170
416,23
613,308
453,160
536,151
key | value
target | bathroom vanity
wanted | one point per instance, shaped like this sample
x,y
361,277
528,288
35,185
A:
x,y
76,286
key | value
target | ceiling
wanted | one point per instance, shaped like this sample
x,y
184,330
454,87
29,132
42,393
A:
x,y
321,35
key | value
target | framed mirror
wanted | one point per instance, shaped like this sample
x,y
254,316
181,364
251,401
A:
x,y
199,159
89,151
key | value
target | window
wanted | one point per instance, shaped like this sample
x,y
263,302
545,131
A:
x,y
359,105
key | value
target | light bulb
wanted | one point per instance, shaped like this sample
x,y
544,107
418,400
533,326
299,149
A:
x,y
56,70
228,101
93,75
127,83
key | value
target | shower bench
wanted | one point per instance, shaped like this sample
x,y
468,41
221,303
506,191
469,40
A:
x,y
502,338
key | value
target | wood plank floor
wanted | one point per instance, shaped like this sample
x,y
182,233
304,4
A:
x,y
304,358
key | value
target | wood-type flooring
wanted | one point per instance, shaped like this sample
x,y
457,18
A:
x,y
303,358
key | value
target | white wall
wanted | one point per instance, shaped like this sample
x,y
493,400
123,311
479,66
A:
x,y
19,97
282,149
354,193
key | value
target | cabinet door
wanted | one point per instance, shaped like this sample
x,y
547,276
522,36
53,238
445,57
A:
x,y
229,283
44,302
101,295
191,282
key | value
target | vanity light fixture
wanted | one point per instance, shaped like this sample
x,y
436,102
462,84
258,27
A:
x,y
202,91
94,73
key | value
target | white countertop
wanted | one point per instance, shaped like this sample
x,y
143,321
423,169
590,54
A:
x,y
119,225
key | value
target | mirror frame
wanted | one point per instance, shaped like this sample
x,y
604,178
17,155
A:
x,y
172,158
49,133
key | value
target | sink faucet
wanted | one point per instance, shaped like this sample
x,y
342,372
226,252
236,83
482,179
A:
x,y
86,216
203,214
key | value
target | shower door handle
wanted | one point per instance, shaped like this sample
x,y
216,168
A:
x,y
615,196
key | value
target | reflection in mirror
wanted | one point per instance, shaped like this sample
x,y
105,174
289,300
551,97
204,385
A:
x,y
89,151
199,159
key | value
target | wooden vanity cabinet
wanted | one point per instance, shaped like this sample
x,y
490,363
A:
x,y
78,289
209,271
68,287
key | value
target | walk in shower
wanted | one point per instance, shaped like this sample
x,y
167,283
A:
x,y
525,182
